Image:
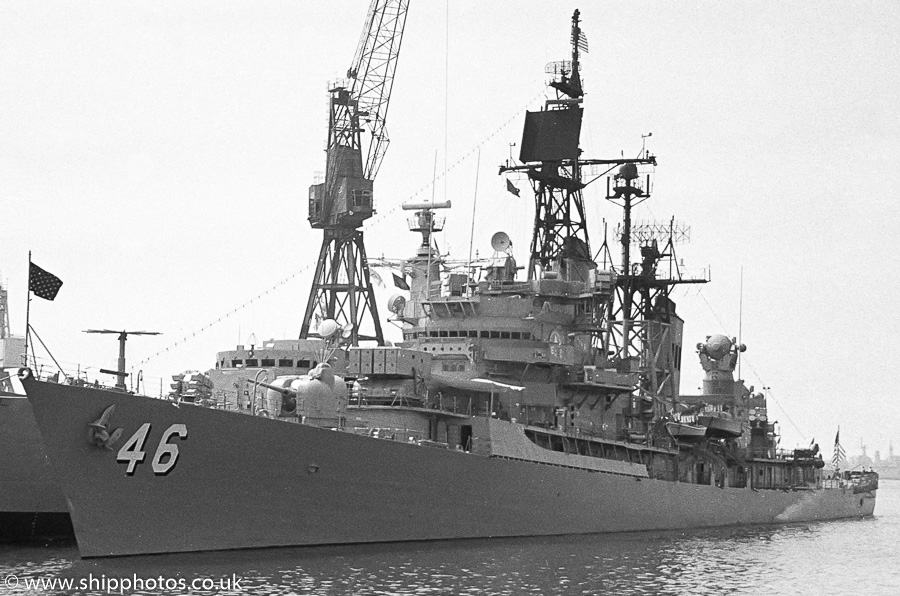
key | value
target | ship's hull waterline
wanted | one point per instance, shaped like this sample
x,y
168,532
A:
x,y
245,482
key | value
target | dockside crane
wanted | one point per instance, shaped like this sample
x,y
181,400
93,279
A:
x,y
341,288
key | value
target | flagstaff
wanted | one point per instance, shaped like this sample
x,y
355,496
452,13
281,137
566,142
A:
x,y
839,453
28,311
44,285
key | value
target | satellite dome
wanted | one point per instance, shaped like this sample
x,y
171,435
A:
x,y
328,327
628,171
717,346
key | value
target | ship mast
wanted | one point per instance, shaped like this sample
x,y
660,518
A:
x,y
638,332
123,337
342,289
5,351
551,158
644,333
4,314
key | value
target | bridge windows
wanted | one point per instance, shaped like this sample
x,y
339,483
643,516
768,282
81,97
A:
x,y
474,333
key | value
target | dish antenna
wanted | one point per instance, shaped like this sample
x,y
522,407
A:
x,y
500,242
396,304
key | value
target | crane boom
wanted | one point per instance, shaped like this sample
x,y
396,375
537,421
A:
x,y
374,66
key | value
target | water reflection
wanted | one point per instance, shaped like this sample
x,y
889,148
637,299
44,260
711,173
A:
x,y
799,559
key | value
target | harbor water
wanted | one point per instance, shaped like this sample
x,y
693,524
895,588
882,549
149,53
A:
x,y
843,557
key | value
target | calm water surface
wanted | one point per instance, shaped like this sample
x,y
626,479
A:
x,y
845,557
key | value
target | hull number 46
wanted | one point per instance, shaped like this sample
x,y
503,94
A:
x,y
132,452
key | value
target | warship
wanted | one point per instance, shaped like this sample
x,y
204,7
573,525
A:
x,y
518,403
30,502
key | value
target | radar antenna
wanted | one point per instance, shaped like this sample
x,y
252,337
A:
x,y
552,160
123,336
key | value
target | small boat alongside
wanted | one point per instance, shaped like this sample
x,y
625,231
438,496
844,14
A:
x,y
720,426
686,433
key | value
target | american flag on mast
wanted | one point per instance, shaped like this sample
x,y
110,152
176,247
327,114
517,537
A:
x,y
582,42
42,284
839,453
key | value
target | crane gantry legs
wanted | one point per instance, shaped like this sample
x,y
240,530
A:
x,y
342,288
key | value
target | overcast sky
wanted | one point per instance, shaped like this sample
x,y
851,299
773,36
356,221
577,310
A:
x,y
156,156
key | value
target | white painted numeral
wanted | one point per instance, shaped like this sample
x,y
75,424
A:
x,y
160,467
133,449
166,455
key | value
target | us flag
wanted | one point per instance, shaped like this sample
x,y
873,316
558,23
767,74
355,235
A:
x,y
43,283
839,453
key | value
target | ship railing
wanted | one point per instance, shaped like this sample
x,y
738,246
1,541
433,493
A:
x,y
74,373
520,287
224,404
834,482
577,431
683,274
628,437
402,435
796,454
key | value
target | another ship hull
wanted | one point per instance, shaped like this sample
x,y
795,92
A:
x,y
245,482
30,501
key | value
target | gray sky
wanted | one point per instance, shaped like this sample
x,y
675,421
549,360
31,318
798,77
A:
x,y
156,157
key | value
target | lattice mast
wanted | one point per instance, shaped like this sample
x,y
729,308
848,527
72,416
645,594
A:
x,y
4,314
560,228
645,333
342,289
551,158
560,245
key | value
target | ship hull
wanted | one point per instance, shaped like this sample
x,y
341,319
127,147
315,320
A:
x,y
31,503
247,482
